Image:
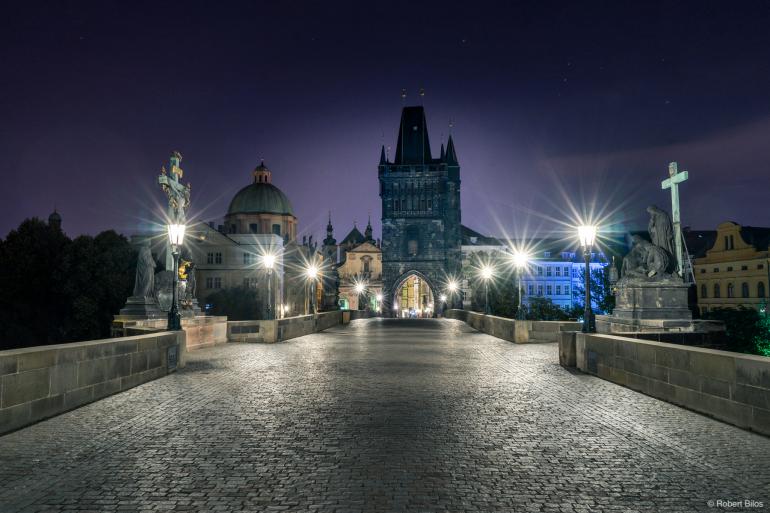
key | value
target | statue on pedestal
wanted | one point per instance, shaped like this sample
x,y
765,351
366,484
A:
x,y
651,261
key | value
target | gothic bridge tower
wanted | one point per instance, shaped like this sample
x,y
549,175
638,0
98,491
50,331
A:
x,y
420,219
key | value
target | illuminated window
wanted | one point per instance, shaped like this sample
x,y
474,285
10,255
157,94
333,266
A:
x,y
717,292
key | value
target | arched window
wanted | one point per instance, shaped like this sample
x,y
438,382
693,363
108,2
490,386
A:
x,y
716,290
277,229
761,289
744,289
254,228
704,291
730,290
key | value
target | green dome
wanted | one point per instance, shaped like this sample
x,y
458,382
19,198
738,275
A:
x,y
260,198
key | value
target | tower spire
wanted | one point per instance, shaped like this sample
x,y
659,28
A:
x,y
451,154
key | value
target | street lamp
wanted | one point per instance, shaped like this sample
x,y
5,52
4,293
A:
x,y
312,275
176,239
486,275
520,260
379,298
587,235
452,287
268,260
360,288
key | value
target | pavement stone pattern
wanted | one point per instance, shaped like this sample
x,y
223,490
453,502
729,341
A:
x,y
381,416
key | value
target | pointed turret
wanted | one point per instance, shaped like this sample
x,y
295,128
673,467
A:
x,y
443,153
383,160
329,240
413,146
368,231
451,155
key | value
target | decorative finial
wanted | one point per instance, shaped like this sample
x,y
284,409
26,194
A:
x,y
403,94
422,92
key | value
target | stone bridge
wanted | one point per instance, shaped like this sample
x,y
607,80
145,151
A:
x,y
382,415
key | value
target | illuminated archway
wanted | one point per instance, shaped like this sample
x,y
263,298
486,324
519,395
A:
x,y
413,296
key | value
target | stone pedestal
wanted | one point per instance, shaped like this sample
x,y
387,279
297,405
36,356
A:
x,y
140,308
649,306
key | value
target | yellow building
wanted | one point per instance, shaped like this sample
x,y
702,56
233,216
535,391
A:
x,y
734,271
360,273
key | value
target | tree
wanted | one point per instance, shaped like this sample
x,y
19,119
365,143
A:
x,y
762,335
602,296
238,303
58,290
543,309
742,328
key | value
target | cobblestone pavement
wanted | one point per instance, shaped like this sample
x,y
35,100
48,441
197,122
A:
x,y
381,416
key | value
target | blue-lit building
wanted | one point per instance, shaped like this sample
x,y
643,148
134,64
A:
x,y
553,272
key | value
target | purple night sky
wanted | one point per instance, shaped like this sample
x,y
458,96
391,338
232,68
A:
x,y
552,104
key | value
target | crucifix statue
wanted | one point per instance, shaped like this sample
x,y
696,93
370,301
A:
x,y
178,196
672,182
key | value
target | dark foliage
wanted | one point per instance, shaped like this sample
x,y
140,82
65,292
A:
x,y
238,304
602,297
543,309
743,327
60,290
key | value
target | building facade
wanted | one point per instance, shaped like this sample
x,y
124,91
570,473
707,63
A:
x,y
735,272
420,214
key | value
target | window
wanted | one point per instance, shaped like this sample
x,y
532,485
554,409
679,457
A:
x,y
366,264
209,259
531,289
703,271
276,229
558,271
558,290
716,290
217,283
248,258
744,289
761,289
254,228
704,292
730,290
548,290
423,205
546,254
732,242
729,269
744,268
716,269
250,283
539,271
217,258
760,266
430,204
209,283
566,271
548,271
566,289
539,290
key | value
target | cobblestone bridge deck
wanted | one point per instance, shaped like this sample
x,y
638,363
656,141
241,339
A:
x,y
381,416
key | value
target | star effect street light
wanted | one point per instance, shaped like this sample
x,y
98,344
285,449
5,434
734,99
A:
x,y
360,288
520,261
312,275
487,272
175,239
268,261
587,236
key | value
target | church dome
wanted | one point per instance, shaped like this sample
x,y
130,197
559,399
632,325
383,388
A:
x,y
261,197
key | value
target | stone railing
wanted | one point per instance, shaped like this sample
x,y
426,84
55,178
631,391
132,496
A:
x,y
201,331
732,387
43,381
513,330
282,329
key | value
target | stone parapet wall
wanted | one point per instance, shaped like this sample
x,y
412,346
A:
x,y
513,330
732,387
281,329
43,381
201,331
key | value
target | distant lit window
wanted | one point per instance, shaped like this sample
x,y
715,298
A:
x,y
744,289
548,290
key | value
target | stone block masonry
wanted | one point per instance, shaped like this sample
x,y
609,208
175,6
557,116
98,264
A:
x,y
512,330
283,329
43,381
732,387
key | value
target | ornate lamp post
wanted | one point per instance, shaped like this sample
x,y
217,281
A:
x,y
268,260
520,260
312,275
486,275
175,239
587,235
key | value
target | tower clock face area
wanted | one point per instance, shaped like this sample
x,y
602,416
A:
x,y
420,218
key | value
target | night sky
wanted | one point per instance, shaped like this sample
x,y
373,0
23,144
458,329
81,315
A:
x,y
553,106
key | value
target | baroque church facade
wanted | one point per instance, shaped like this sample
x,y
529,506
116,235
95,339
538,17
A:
x,y
421,215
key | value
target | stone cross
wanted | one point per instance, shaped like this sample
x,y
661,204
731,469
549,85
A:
x,y
178,197
672,182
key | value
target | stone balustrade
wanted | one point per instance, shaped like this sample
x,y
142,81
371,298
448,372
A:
x,y
733,387
512,330
282,329
43,381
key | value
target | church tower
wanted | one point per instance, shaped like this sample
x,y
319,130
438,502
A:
x,y
420,215
329,248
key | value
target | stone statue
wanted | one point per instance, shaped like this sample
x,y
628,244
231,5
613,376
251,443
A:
x,y
191,283
178,194
660,229
144,283
645,260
